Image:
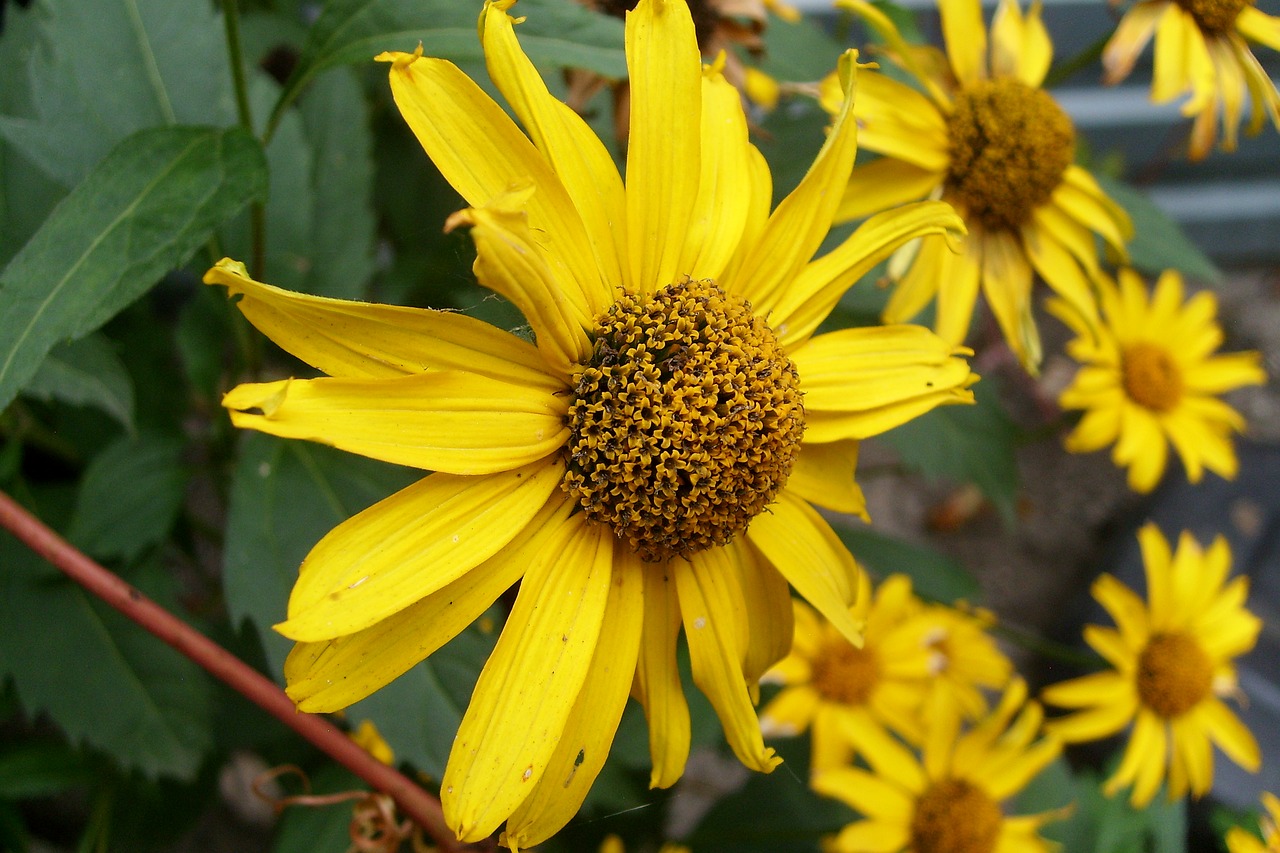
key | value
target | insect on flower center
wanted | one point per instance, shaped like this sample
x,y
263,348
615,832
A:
x,y
1010,146
955,816
685,423
845,674
1174,674
1215,16
1151,377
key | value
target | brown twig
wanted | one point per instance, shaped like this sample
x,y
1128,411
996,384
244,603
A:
x,y
414,802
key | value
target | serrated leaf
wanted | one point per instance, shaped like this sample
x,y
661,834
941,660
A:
x,y
558,32
104,680
1158,242
285,495
129,497
86,372
966,444
143,210
104,69
933,575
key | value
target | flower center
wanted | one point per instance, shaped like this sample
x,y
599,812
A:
x,y
955,816
1214,16
685,422
845,674
705,18
1010,145
1174,674
1151,377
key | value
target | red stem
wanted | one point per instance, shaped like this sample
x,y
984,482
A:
x,y
414,802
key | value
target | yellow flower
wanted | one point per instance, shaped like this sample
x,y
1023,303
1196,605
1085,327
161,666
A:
x,y
1202,48
965,660
619,466
950,801
368,738
1172,661
1150,378
1242,841
850,694
997,147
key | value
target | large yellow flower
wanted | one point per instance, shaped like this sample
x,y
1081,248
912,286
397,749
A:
x,y
950,801
984,137
621,465
1150,378
1242,841
1172,659
1202,48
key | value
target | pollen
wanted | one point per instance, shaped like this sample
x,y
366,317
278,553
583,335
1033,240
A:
x,y
1151,377
685,423
955,816
1214,17
845,674
1010,146
1174,674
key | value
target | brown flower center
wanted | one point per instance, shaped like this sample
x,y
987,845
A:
x,y
1010,146
1174,674
845,674
955,816
1215,16
685,423
1151,377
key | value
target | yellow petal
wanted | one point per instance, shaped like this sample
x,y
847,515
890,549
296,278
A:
x,y
365,340
528,686
723,202
802,546
328,676
870,836
1037,48
770,616
1232,736
657,685
1256,25
790,712
801,221
1006,39
1132,34
819,286
883,184
1096,689
861,381
1125,607
411,544
966,39
824,474
589,731
447,420
867,794
714,619
961,278
1006,281
663,155
1080,195
902,52
481,153
509,262
1094,724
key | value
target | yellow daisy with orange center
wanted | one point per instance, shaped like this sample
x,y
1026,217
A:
x,y
1242,841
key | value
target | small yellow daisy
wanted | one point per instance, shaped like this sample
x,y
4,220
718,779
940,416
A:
x,y
981,134
1242,841
1202,48
1150,378
644,466
1172,661
966,662
951,800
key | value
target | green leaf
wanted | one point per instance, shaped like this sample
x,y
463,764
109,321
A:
x,y
967,444
86,372
104,69
285,495
40,768
103,679
557,32
142,211
1158,243
129,497
933,575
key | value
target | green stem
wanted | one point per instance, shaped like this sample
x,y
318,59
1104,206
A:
x,y
1047,648
235,52
1084,58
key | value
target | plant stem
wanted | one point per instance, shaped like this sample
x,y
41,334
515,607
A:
x,y
1081,60
414,802
235,53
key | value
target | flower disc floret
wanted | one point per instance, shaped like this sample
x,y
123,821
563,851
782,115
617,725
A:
x,y
1214,16
1174,675
1011,144
955,816
686,422
845,674
1151,377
